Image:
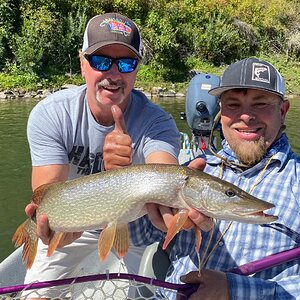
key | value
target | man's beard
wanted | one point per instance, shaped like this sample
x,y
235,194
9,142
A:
x,y
250,152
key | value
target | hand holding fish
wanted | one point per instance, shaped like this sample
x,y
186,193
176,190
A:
x,y
117,150
207,285
43,230
162,216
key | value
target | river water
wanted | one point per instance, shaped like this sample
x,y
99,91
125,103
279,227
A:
x,y
15,167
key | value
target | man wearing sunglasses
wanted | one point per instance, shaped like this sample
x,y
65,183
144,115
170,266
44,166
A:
x,y
102,125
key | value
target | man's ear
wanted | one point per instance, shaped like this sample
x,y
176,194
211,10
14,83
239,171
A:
x,y
82,65
284,109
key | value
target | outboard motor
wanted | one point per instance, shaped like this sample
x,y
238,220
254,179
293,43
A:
x,y
200,107
200,111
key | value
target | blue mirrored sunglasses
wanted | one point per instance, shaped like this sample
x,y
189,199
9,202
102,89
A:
x,y
104,63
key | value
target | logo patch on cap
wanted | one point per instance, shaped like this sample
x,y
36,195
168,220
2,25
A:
x,y
260,72
117,26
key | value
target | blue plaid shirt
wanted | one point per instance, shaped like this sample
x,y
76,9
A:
x,y
242,243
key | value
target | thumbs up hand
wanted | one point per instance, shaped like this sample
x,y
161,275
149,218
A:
x,y
117,150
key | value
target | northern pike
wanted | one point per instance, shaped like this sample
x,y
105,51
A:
x,y
110,200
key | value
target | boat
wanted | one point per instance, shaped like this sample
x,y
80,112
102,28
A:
x,y
201,110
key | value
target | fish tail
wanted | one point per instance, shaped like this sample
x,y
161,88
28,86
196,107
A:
x,y
26,234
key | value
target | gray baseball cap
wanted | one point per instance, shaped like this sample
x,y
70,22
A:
x,y
251,73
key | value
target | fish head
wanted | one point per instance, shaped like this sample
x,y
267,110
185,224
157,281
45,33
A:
x,y
222,200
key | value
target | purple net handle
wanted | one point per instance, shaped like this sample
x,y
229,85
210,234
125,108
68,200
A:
x,y
267,262
185,289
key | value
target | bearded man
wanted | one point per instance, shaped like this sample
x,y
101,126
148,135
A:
x,y
257,157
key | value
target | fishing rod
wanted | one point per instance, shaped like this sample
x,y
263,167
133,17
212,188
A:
x,y
184,289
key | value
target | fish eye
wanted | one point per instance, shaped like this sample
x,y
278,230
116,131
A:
x,y
230,193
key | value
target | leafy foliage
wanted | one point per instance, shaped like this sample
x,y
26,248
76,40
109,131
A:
x,y
32,47
9,19
42,37
18,79
71,41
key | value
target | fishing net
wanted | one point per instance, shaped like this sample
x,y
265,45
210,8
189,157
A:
x,y
102,286
117,286
89,282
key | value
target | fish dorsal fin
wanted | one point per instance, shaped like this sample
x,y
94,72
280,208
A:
x,y
26,234
39,192
54,241
121,242
176,225
106,240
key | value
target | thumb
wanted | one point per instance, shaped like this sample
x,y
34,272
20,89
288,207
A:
x,y
30,209
192,277
198,164
118,118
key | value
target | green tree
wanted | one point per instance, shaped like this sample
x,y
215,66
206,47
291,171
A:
x,y
71,41
9,23
32,47
43,36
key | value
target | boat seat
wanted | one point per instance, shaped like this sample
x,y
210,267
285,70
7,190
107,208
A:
x,y
155,263
12,269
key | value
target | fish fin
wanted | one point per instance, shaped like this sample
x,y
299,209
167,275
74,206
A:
x,y
26,234
39,192
106,240
54,241
121,242
176,224
198,238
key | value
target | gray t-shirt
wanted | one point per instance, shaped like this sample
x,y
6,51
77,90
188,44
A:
x,y
62,130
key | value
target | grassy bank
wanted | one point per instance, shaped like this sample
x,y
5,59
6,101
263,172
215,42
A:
x,y
289,69
147,77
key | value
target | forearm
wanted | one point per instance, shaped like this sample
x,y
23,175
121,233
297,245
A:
x,y
49,174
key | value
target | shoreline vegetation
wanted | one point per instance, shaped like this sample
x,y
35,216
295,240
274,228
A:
x,y
22,87
39,41
156,92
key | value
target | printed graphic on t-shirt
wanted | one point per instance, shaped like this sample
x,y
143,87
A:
x,y
86,162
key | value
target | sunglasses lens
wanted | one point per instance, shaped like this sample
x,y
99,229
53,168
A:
x,y
104,63
100,63
127,65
